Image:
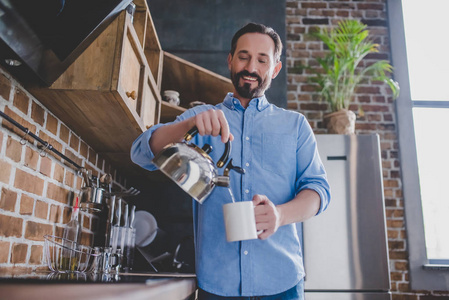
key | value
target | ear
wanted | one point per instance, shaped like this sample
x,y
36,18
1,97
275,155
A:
x,y
229,61
277,69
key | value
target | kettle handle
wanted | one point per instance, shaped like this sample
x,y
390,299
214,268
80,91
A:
x,y
190,134
223,159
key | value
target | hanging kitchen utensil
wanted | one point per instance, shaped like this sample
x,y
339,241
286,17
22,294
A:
x,y
86,178
184,256
191,167
92,199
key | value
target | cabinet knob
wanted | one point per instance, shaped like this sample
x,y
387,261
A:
x,y
132,95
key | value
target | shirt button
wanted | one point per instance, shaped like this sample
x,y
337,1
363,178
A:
x,y
247,164
247,191
235,102
247,138
245,252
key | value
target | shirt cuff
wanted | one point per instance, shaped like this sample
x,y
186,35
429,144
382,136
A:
x,y
322,192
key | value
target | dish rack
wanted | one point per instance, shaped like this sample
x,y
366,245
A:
x,y
66,256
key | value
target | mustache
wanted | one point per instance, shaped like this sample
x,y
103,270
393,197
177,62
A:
x,y
246,73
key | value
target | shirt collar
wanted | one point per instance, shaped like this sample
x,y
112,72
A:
x,y
234,103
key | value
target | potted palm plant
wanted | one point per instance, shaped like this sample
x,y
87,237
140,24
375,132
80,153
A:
x,y
340,71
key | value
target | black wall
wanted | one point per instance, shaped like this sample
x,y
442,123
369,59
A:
x,y
200,31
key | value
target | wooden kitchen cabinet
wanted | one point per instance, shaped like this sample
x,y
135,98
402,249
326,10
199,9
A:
x,y
110,95
112,92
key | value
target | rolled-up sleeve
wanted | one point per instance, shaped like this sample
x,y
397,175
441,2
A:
x,y
141,153
310,170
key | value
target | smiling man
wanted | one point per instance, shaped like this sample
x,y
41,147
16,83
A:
x,y
284,177
255,63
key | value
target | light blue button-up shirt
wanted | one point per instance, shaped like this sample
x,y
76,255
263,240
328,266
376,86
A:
x,y
278,151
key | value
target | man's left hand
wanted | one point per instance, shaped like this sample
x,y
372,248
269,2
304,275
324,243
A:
x,y
267,216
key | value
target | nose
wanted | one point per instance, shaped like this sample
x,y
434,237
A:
x,y
251,65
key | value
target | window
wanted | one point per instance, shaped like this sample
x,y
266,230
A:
x,y
419,49
430,100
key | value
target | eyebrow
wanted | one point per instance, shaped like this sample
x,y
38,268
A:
x,y
246,52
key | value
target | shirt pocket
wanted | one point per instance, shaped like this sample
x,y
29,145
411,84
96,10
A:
x,y
279,153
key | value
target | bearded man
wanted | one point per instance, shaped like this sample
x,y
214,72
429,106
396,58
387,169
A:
x,y
284,177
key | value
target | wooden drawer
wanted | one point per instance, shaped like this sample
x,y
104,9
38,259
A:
x,y
132,69
132,72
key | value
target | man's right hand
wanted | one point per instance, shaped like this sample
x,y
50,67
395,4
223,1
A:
x,y
213,122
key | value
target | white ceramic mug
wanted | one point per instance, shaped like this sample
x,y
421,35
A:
x,y
240,222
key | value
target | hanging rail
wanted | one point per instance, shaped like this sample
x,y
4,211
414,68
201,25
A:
x,y
44,143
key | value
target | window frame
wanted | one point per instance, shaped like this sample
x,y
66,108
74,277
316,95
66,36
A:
x,y
423,274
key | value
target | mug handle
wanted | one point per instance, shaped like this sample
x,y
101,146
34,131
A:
x,y
223,159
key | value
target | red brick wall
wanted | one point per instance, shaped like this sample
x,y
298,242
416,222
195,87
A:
x,y
37,192
375,100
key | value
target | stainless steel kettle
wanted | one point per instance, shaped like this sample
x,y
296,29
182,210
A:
x,y
191,167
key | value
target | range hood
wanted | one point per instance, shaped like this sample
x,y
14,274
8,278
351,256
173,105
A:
x,y
40,39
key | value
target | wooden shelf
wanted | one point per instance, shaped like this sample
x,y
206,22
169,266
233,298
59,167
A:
x,y
194,83
170,111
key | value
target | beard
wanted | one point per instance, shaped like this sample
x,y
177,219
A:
x,y
245,90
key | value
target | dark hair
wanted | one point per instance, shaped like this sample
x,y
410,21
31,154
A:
x,y
259,28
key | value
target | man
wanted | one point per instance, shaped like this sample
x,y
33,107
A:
x,y
284,177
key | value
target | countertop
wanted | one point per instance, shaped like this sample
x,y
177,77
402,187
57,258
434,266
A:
x,y
147,287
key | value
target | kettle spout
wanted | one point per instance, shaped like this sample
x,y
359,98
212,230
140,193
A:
x,y
224,180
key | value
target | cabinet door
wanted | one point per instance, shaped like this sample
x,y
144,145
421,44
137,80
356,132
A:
x,y
132,70
151,103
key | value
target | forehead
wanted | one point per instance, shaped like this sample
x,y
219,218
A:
x,y
255,44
